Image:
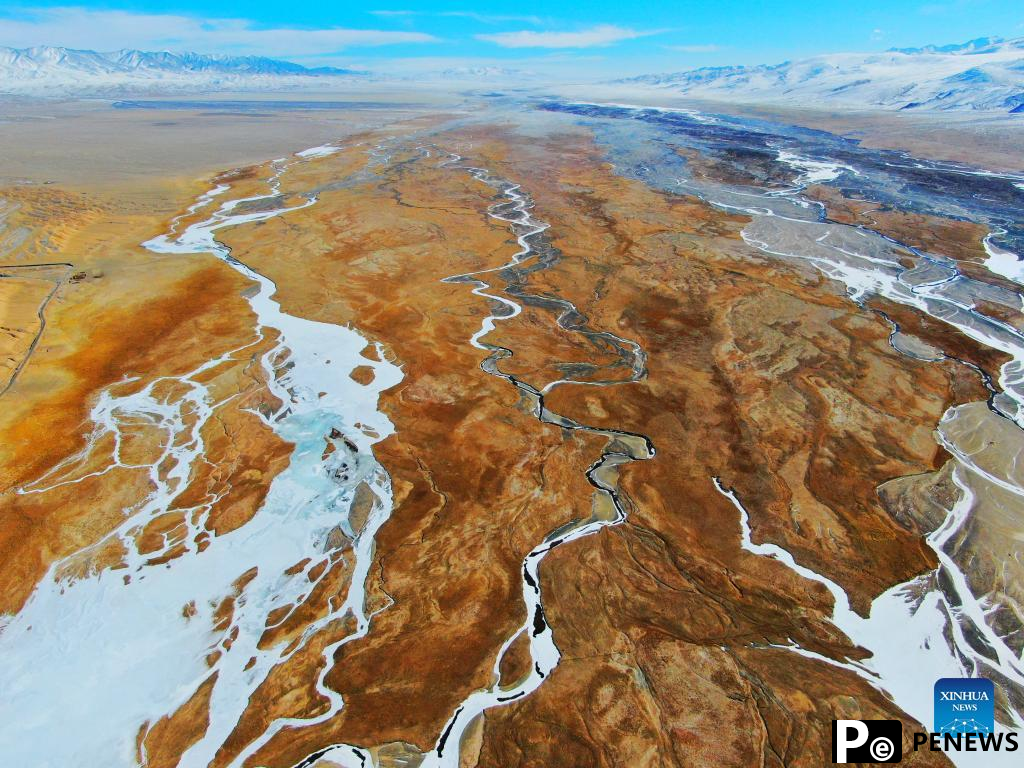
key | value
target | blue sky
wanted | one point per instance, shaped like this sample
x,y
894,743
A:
x,y
586,37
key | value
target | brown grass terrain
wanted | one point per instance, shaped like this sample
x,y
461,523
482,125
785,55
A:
x,y
737,388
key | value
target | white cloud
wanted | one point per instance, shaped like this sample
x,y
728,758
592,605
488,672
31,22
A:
x,y
603,34
77,27
489,18
483,18
706,48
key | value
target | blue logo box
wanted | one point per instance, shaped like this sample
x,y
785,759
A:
x,y
964,705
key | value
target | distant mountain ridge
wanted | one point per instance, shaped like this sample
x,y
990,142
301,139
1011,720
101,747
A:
x,y
983,74
45,69
977,45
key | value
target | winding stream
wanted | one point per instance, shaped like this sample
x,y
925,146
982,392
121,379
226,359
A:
x,y
610,505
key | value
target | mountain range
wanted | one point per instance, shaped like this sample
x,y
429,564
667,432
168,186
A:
x,y
47,70
983,74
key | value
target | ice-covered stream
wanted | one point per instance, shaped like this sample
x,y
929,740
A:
x,y
123,648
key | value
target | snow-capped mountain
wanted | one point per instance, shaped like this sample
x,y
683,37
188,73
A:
x,y
977,45
49,70
983,74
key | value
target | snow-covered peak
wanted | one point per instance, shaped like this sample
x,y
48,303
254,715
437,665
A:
x,y
977,45
982,74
